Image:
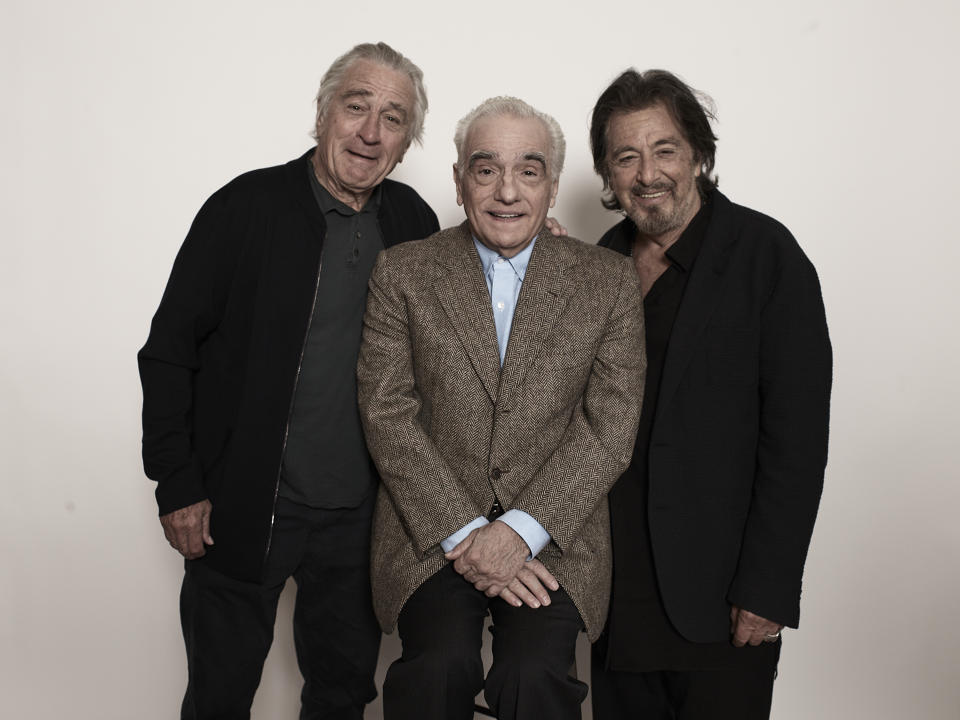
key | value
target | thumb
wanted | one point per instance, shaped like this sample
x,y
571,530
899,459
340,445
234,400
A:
x,y
205,528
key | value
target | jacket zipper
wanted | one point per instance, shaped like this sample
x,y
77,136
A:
x,y
293,397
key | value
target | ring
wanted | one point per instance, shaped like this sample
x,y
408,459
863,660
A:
x,y
772,638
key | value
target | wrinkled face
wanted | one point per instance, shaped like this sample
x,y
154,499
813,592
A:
x,y
652,170
506,189
363,134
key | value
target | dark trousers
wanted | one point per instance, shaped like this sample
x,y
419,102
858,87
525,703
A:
x,y
742,693
440,670
228,624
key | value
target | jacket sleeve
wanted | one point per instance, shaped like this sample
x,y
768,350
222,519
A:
x,y
426,493
598,442
189,312
795,376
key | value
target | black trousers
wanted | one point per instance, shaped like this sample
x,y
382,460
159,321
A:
x,y
440,670
228,624
742,693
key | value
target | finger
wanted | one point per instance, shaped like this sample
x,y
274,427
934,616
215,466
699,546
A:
x,y
544,575
522,592
530,580
507,595
205,527
462,566
525,588
741,634
461,548
491,589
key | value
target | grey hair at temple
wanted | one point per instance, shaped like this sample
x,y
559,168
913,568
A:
x,y
385,55
514,107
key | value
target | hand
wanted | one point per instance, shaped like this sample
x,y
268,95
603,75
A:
x,y
555,228
490,557
750,629
188,529
527,586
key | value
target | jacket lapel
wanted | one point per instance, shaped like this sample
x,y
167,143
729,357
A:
x,y
699,300
462,292
543,296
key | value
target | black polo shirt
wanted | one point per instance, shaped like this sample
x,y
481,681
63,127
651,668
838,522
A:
x,y
326,463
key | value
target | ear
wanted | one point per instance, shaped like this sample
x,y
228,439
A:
x,y
553,192
456,181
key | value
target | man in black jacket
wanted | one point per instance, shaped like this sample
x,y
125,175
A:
x,y
251,427
712,519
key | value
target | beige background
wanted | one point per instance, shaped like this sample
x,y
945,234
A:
x,y
119,118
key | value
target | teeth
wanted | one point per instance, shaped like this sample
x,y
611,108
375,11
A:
x,y
653,195
504,215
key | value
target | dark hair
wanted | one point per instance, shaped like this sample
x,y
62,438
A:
x,y
635,91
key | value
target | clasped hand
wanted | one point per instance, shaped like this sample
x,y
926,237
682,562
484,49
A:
x,y
494,559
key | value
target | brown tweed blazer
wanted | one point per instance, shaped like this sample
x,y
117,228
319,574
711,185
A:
x,y
450,431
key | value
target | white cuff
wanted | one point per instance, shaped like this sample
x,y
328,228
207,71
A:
x,y
451,542
529,529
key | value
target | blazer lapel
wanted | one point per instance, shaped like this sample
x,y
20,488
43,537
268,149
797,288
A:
x,y
699,300
543,296
463,294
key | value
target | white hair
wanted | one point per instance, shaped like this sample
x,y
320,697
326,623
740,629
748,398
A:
x,y
385,55
513,107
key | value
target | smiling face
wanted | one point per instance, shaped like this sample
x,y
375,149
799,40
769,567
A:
x,y
364,132
652,171
506,189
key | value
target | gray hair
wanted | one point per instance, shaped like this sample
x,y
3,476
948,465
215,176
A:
x,y
385,55
505,105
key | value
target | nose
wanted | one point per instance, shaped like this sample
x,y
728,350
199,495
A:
x,y
369,130
506,191
647,172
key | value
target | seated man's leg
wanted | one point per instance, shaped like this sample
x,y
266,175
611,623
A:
x,y
440,670
335,631
228,628
533,650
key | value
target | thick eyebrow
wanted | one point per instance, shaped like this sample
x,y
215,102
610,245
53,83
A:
x,y
480,155
536,157
356,92
631,148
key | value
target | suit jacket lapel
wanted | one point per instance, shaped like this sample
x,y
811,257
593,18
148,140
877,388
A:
x,y
699,299
543,296
463,294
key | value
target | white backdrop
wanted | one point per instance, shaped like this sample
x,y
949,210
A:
x,y
120,117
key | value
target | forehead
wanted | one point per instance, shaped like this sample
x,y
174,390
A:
x,y
507,136
646,126
372,78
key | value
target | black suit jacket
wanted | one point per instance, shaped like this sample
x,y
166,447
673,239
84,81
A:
x,y
739,439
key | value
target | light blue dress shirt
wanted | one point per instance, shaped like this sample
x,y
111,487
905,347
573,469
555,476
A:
x,y
504,279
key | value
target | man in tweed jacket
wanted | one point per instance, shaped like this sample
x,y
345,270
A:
x,y
499,383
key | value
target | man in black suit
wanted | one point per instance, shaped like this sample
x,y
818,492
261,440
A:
x,y
712,520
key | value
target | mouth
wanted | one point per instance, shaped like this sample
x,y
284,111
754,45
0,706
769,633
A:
x,y
504,216
652,196
361,156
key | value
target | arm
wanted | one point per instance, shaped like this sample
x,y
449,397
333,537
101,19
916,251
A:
x,y
189,311
795,374
425,491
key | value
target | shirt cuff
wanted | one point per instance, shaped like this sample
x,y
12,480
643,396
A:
x,y
451,542
529,529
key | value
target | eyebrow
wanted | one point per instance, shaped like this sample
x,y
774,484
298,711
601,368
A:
x,y
536,157
480,155
632,148
364,93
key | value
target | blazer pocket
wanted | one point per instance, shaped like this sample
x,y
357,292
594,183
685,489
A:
x,y
733,357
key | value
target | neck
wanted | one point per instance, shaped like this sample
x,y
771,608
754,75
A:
x,y
355,200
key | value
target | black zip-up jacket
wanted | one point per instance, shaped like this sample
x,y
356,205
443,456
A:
x,y
221,361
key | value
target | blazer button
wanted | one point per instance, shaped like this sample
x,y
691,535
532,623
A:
x,y
495,473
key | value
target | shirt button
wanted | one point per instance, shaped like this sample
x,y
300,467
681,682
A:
x,y
500,306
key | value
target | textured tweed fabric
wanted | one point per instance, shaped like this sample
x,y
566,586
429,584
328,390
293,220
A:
x,y
450,431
